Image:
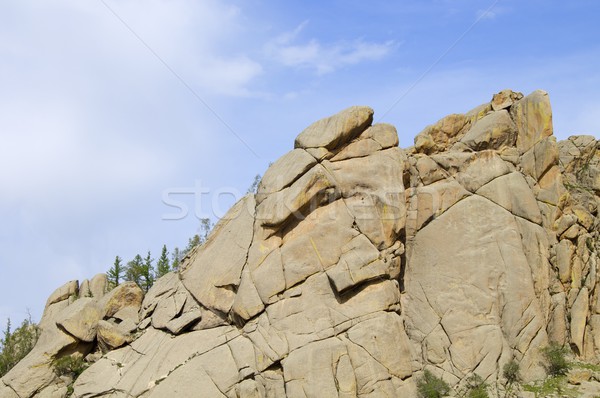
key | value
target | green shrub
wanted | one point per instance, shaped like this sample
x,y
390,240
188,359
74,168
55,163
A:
x,y
510,371
69,365
556,363
430,386
476,387
14,346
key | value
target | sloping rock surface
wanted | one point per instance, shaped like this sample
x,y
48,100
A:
x,y
356,266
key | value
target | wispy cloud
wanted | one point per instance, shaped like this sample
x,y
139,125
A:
x,y
491,14
324,57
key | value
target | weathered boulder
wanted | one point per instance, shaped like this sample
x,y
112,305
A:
x,y
332,131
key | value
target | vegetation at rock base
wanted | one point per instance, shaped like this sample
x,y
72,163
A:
x,y
551,385
510,371
70,366
556,362
15,345
431,386
476,387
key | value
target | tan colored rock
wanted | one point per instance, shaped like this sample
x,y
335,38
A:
x,y
540,157
564,253
595,325
584,217
332,131
427,203
110,336
482,296
163,287
316,243
513,194
84,289
184,321
382,133
284,172
480,169
385,330
80,319
247,302
557,327
357,149
98,285
429,170
313,189
533,118
130,313
504,99
169,308
69,289
125,295
312,370
358,263
268,276
442,135
377,206
494,131
579,313
578,376
214,272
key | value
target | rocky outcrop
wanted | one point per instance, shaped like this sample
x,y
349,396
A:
x,y
356,266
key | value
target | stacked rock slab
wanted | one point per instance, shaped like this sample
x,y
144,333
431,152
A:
x,y
356,266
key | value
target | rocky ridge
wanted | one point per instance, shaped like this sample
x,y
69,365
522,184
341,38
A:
x,y
356,266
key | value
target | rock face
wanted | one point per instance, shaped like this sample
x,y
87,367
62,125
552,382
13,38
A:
x,y
356,266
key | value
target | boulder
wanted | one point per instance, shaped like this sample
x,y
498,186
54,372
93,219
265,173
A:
x,y
332,131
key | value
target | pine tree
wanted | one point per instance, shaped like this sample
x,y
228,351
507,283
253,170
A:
x,y
254,187
205,227
176,259
134,270
14,346
163,266
147,273
115,274
192,242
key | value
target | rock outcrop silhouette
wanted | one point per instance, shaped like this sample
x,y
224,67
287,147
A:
x,y
356,266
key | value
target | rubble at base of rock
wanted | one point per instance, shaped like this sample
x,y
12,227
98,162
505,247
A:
x,y
356,266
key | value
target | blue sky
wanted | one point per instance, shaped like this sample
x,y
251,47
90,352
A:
x,y
107,105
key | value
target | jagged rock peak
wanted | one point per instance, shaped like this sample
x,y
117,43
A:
x,y
356,266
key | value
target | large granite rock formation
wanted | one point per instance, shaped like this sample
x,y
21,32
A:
x,y
356,266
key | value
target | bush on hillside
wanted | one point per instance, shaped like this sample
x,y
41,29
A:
x,y
15,345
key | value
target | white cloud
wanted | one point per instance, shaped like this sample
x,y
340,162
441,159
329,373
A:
x,y
491,13
324,58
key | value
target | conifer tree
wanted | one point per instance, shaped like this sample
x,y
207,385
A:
x,y
176,259
254,187
205,227
115,273
192,242
14,346
147,272
163,266
135,270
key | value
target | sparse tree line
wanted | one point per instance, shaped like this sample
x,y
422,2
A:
x,y
145,270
